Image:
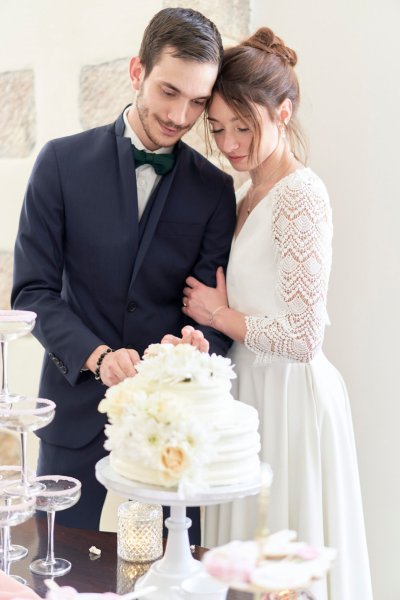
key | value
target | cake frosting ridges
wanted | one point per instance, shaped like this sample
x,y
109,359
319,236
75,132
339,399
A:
x,y
176,424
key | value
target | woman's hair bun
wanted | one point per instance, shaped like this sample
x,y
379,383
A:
x,y
265,39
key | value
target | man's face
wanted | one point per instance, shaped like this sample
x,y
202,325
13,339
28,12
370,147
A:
x,y
170,100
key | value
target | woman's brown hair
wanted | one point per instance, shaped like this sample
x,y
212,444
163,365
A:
x,y
259,71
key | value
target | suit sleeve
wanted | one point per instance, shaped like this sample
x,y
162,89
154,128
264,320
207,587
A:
x,y
39,270
214,252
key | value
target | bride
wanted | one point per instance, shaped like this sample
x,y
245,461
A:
x,y
273,305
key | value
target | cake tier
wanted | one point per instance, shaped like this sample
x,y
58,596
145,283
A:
x,y
237,444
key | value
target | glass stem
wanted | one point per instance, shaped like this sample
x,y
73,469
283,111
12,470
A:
x,y
4,383
9,538
50,560
24,466
6,544
8,532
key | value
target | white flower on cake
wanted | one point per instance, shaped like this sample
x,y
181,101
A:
x,y
149,420
182,363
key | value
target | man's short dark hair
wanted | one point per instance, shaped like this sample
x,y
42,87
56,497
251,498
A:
x,y
188,33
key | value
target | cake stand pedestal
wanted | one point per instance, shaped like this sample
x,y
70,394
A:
x,y
177,563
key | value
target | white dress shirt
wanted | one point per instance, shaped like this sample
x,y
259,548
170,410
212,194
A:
x,y
146,177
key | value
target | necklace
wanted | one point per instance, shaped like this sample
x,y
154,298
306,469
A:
x,y
266,185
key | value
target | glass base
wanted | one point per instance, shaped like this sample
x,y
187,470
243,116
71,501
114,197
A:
x,y
19,579
27,490
58,567
15,552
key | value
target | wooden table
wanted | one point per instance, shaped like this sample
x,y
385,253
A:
x,y
107,573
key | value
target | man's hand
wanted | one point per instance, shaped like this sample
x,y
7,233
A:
x,y
190,335
116,366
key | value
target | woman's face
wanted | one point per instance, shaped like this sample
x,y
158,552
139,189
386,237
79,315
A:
x,y
234,136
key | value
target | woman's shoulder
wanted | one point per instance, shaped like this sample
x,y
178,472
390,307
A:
x,y
303,183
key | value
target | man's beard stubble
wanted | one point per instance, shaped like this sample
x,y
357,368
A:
x,y
143,114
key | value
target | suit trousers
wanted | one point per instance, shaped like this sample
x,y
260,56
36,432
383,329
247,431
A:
x,y
80,463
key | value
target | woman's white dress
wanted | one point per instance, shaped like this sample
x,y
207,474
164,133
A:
x,y
278,274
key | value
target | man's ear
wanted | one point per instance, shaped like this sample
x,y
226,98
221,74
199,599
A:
x,y
136,71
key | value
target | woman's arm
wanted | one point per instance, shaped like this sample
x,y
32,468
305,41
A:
x,y
302,231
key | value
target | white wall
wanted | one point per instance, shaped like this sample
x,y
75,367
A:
x,y
348,66
56,38
348,53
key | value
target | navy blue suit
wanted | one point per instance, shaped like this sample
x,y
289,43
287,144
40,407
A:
x,y
95,274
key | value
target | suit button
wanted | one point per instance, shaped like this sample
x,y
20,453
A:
x,y
129,346
131,307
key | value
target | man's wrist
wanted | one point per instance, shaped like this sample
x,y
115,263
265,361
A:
x,y
91,362
102,356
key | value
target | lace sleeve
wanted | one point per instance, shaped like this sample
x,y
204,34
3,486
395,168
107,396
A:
x,y
302,232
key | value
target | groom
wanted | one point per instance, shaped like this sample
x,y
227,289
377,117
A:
x,y
114,220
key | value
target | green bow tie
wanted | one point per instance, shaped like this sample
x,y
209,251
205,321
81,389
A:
x,y
161,163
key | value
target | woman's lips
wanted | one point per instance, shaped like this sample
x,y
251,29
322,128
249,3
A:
x,y
235,158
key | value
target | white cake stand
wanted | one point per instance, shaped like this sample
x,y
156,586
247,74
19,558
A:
x,y
177,563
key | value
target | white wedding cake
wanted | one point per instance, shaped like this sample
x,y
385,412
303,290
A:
x,y
175,424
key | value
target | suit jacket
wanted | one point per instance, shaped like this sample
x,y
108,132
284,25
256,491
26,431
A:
x,y
96,275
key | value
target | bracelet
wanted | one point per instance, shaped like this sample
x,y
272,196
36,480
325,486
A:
x,y
214,312
97,375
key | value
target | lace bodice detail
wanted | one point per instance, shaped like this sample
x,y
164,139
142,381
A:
x,y
302,234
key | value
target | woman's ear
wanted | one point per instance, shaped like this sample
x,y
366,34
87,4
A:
x,y
285,111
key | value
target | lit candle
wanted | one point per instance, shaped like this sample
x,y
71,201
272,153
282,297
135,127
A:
x,y
139,531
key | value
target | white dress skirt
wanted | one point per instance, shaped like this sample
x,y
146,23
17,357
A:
x,y
278,275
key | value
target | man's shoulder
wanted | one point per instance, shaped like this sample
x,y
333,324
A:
x,y
200,164
79,150
89,136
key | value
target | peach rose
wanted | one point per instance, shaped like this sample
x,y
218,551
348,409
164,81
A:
x,y
174,460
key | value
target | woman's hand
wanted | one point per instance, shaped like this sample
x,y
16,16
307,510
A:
x,y
201,302
191,336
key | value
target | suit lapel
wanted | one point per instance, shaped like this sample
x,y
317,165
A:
x,y
129,190
128,180
157,205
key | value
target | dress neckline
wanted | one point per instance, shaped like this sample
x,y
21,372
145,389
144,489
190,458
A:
x,y
262,201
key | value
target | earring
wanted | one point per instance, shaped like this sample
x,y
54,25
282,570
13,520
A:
x,y
283,129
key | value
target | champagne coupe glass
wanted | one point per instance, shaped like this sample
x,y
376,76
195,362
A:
x,y
28,414
13,324
10,474
61,493
13,511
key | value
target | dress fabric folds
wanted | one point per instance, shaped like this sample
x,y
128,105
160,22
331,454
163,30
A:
x,y
278,275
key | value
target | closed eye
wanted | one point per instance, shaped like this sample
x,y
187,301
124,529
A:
x,y
168,93
200,102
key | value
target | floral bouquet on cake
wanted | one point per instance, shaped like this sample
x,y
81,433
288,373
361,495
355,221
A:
x,y
149,419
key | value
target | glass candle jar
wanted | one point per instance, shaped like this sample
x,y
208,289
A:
x,y
139,533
